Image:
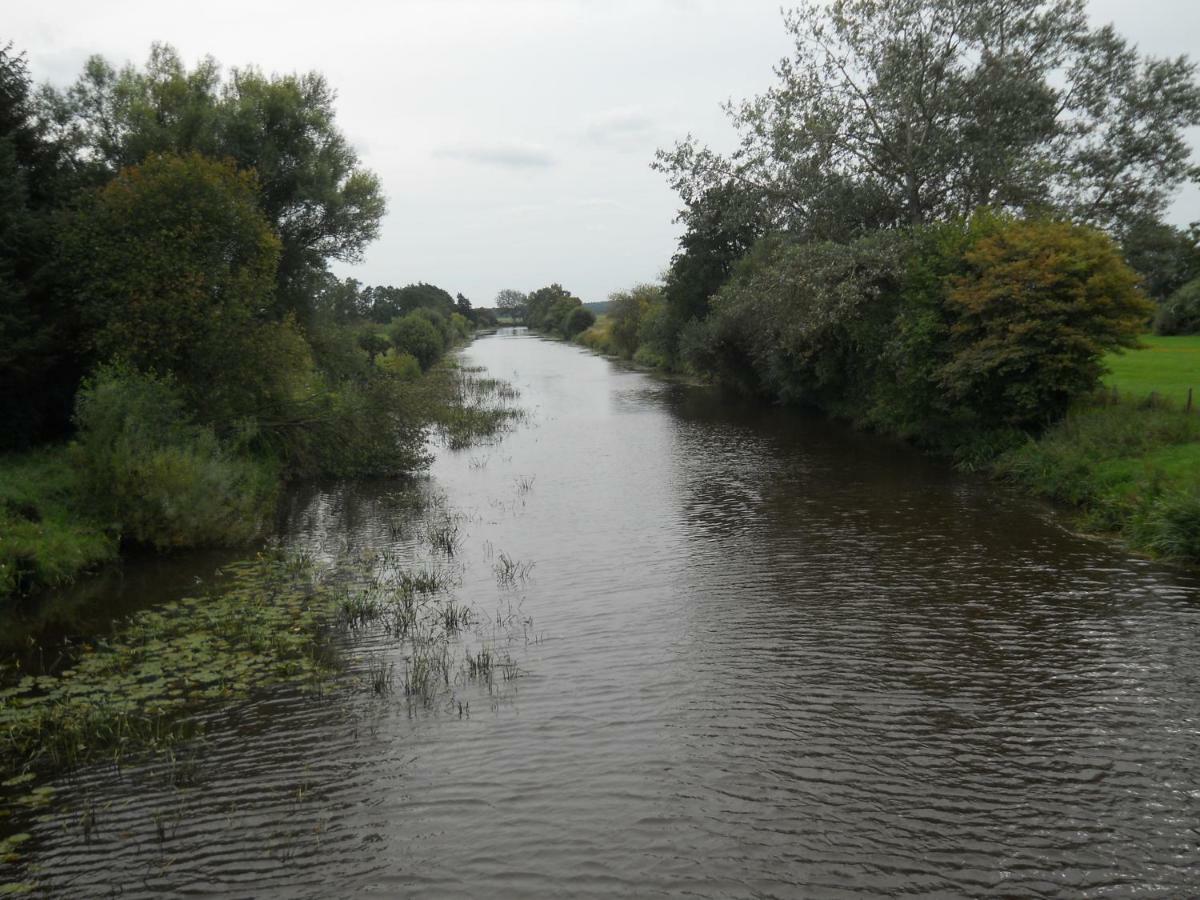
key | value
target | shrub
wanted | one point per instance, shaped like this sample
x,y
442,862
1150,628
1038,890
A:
x,y
626,309
359,429
1038,306
154,476
373,342
415,334
576,320
403,366
806,320
599,336
460,325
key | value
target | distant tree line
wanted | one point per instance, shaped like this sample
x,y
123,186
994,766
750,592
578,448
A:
x,y
551,309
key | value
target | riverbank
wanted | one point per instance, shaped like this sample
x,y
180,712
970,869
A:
x,y
1126,460
139,689
52,531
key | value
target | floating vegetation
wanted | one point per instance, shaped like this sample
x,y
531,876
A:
x,y
128,690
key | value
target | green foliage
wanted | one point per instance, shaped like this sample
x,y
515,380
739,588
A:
x,y
1037,308
799,321
153,476
1180,314
318,199
576,320
1130,468
399,365
1165,257
554,310
38,369
625,313
511,302
46,539
382,304
723,222
417,335
169,260
373,341
355,429
916,111
599,336
959,336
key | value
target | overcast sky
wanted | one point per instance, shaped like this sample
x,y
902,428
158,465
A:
x,y
513,137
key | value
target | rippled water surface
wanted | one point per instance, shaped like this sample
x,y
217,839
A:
x,y
759,656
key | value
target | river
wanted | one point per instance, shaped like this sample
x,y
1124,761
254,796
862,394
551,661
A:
x,y
757,655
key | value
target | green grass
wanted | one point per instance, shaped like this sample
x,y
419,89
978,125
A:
x,y
1129,468
45,539
1167,366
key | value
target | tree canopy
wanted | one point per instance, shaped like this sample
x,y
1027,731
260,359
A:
x,y
912,111
169,256
312,188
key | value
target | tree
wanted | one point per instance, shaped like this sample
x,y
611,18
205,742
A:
x,y
321,202
512,302
316,195
576,320
462,306
1164,256
1180,314
38,370
169,260
1038,307
415,334
339,300
386,302
911,111
722,224
546,307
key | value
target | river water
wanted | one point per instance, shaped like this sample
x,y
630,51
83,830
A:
x,y
759,655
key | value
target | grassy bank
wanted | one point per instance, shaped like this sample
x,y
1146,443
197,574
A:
x,y
47,536
1128,461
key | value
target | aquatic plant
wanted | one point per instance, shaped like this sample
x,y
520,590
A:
x,y
509,571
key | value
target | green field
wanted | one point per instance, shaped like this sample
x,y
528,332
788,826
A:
x,y
1167,366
